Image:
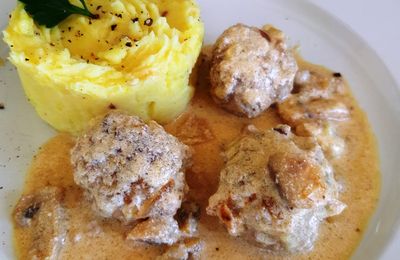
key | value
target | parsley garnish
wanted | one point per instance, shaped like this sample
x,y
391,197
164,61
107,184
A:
x,y
52,12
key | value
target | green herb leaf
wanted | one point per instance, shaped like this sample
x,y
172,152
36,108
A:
x,y
52,12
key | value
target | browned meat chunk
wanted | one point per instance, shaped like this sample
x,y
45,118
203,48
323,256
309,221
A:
x,y
275,190
194,130
187,217
298,179
314,108
130,170
315,99
168,230
156,231
189,248
251,69
43,217
296,113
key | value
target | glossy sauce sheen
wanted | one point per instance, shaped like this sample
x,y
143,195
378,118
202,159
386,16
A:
x,y
96,238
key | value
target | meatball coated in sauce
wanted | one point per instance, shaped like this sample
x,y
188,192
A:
x,y
251,69
316,107
275,190
130,170
316,98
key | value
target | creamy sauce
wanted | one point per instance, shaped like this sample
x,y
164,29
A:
x,y
96,238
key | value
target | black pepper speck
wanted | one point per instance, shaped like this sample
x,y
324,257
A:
x,y
31,211
148,22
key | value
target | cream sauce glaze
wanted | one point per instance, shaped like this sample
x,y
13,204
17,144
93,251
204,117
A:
x,y
92,237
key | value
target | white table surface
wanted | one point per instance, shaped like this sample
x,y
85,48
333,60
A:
x,y
377,22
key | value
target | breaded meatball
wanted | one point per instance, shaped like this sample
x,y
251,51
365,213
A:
x,y
130,170
251,69
275,190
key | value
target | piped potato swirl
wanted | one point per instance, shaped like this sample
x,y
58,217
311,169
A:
x,y
137,57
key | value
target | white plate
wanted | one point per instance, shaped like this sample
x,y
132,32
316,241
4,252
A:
x,y
323,40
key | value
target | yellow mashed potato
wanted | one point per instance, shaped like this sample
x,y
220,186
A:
x,y
136,57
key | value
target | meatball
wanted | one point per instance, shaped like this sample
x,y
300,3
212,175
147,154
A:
x,y
275,190
251,69
130,170
315,108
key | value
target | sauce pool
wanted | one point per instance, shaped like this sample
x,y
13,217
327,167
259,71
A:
x,y
92,237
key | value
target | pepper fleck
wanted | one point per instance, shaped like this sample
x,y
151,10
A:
x,y
26,59
113,27
31,211
148,22
337,75
128,44
98,7
165,13
69,41
135,20
2,106
280,130
112,106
